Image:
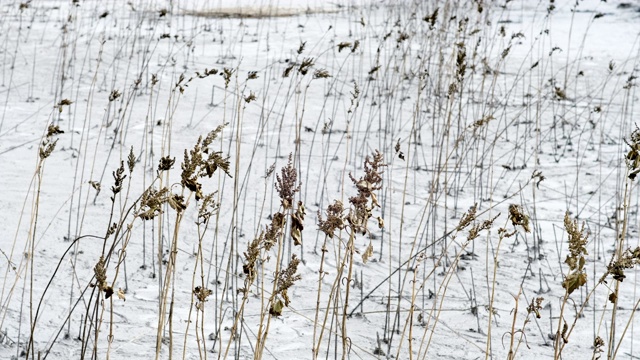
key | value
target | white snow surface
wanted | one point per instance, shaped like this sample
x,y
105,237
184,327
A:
x,y
145,55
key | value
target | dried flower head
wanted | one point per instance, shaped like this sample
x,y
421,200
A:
x,y
114,95
201,161
355,95
306,64
151,203
334,220
112,229
63,102
274,230
321,74
96,185
468,217
251,97
598,345
177,202
208,207
47,148
285,280
100,273
53,130
633,156
287,277
131,160
577,275
287,184
343,45
206,73
251,258
226,74
431,19
461,62
118,176
301,47
201,294
287,70
48,145
535,307
166,163
360,211
397,150
270,171
475,230
518,217
356,45
617,266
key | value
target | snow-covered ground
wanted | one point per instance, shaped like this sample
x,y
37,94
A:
x,y
526,103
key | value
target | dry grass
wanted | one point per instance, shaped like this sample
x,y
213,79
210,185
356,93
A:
x,y
256,13
373,173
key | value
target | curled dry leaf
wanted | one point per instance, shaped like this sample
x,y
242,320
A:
x,y
121,294
95,185
297,224
368,253
276,308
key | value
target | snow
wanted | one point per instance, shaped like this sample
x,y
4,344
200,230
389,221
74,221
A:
x,y
53,50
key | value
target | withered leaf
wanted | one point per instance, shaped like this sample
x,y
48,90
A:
x,y
121,294
276,308
177,203
150,214
296,235
108,291
574,281
166,163
368,253
297,224
95,185
191,184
